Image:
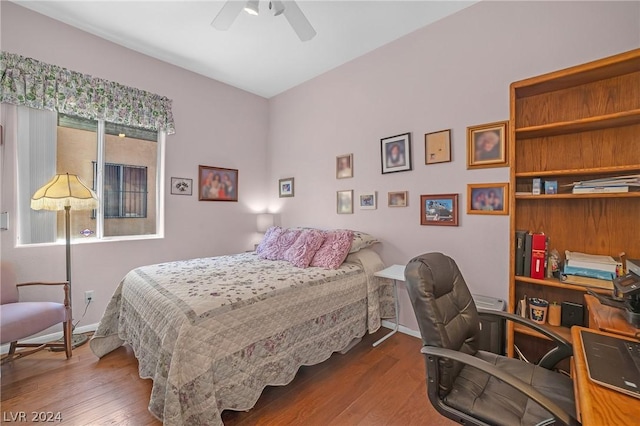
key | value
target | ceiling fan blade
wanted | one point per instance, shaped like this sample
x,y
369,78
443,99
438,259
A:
x,y
298,21
227,15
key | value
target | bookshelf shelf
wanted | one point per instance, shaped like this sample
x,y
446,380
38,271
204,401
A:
x,y
552,282
570,196
562,331
603,171
581,125
565,127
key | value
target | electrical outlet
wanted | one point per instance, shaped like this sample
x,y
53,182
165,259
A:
x,y
88,297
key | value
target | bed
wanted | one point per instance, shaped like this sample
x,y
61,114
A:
x,y
212,333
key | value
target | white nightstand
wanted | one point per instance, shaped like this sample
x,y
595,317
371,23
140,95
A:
x,y
395,273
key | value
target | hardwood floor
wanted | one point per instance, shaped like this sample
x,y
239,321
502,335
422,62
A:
x,y
367,386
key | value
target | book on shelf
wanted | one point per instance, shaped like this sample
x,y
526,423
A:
x,y
538,255
591,261
632,180
587,281
519,266
587,272
611,189
613,184
527,255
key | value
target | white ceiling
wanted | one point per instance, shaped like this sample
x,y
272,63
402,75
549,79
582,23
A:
x,y
260,54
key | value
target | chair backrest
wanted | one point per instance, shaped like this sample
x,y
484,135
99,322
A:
x,y
444,309
8,280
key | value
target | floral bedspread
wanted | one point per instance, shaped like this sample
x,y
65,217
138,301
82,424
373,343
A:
x,y
213,332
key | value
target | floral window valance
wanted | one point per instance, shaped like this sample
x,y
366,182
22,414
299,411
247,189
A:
x,y
26,81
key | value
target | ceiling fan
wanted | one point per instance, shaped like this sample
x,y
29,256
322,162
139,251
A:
x,y
289,9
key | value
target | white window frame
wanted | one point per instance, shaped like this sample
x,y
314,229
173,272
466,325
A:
x,y
99,233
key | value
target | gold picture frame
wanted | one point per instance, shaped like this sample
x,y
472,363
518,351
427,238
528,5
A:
x,y
487,145
488,198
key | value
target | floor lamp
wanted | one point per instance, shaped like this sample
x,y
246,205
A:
x,y
65,192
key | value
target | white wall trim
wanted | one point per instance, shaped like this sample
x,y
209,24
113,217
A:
x,y
401,329
53,336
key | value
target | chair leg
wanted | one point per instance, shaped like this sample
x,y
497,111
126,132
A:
x,y
12,348
68,333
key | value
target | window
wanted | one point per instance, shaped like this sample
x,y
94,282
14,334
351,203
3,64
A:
x,y
125,190
121,163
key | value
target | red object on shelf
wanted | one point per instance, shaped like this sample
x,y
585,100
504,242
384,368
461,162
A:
x,y
538,243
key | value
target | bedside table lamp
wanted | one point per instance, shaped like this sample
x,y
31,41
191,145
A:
x,y
64,192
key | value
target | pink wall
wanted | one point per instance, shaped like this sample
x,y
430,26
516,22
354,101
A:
x,y
452,74
211,129
449,75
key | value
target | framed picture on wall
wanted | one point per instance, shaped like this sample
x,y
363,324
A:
x,y
181,186
398,199
487,145
437,147
396,153
488,198
368,200
217,184
345,202
439,209
344,166
285,187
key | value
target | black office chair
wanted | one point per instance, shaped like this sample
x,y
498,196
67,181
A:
x,y
472,386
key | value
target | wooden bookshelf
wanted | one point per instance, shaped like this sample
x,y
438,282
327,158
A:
x,y
575,124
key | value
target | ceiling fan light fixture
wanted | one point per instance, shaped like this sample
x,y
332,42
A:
x,y
277,7
251,7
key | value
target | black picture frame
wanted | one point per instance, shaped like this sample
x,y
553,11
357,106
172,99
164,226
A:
x,y
395,153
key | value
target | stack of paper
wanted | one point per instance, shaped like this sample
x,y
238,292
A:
x,y
590,269
610,184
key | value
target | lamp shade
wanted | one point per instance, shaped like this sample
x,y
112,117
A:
x,y
264,222
64,190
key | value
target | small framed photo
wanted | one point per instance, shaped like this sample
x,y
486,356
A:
x,y
368,200
487,145
396,153
217,184
344,166
181,186
440,210
437,147
345,202
285,187
398,199
488,198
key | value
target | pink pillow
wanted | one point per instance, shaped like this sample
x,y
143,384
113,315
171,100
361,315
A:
x,y
304,248
269,237
276,247
334,249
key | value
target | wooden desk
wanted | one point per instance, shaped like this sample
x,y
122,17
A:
x,y
609,319
598,405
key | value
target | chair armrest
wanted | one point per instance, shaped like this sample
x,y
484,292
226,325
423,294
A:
x,y
528,390
66,288
563,349
42,283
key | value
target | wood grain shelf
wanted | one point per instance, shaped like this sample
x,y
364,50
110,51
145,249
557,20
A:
x,y
635,194
604,171
625,118
565,332
552,282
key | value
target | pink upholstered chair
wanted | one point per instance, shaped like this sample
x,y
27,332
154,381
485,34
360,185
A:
x,y
19,320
